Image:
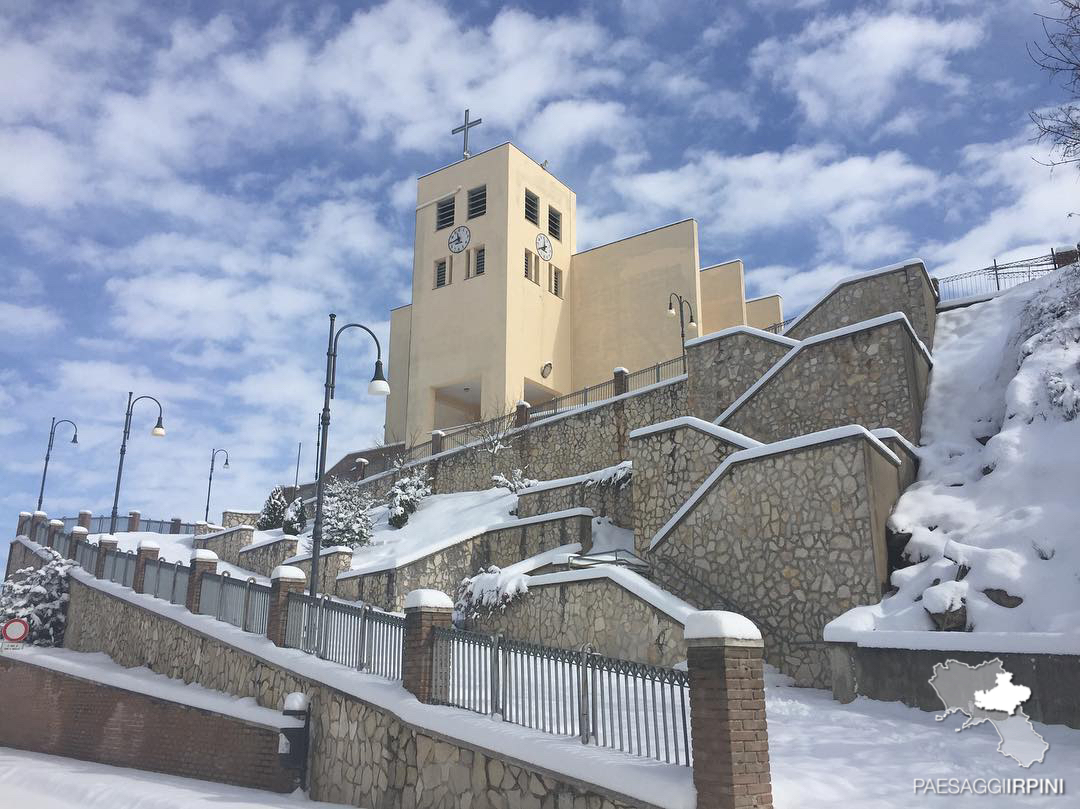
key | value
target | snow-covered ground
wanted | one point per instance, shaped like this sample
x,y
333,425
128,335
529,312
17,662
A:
x,y
36,781
994,514
175,548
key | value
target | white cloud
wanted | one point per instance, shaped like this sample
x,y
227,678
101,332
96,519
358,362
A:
x,y
40,170
847,71
28,322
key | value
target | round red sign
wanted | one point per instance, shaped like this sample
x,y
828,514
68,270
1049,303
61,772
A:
x,y
15,630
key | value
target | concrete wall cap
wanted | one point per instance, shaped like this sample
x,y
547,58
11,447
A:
x,y
40,514
719,624
202,554
78,529
148,545
59,523
428,599
85,511
288,572
24,514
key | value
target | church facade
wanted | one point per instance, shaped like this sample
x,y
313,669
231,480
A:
x,y
504,308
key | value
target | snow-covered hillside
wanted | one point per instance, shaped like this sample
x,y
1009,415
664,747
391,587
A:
x,y
994,517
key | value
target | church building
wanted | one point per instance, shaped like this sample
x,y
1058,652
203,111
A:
x,y
504,307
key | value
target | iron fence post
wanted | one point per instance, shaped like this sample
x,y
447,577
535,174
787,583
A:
x,y
361,656
997,278
583,693
493,678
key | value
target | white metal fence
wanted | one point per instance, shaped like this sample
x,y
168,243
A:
x,y
120,567
167,580
354,635
242,603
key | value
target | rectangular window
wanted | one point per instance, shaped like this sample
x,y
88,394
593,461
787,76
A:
x,y
444,213
556,281
477,201
479,261
532,207
554,223
528,265
441,277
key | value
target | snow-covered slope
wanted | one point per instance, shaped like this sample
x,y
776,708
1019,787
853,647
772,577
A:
x,y
994,517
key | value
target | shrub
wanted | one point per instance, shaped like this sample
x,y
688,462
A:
x,y
40,598
515,483
405,497
345,514
295,519
273,511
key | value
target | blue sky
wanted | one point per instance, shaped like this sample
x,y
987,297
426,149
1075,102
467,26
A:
x,y
186,192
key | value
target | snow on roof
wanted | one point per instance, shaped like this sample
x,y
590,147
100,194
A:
x,y
644,779
844,331
851,279
705,624
787,445
732,437
427,598
100,668
751,330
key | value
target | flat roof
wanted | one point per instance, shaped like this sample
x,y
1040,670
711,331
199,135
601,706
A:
x,y
635,235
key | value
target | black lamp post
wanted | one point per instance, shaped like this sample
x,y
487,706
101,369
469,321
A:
x,y
48,452
159,430
318,441
377,387
683,323
210,483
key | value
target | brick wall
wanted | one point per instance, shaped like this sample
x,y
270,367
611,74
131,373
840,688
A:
x,y
52,712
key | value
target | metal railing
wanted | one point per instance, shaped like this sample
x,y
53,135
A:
x,y
354,635
778,328
100,525
578,398
633,707
85,555
120,567
62,545
661,372
994,278
167,580
242,603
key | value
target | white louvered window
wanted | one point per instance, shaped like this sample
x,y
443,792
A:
x,y
444,213
477,201
554,224
532,207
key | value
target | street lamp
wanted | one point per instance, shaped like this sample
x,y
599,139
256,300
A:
x,y
48,452
377,387
158,431
672,298
213,457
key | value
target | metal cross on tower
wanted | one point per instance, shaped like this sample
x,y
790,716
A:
x,y
464,128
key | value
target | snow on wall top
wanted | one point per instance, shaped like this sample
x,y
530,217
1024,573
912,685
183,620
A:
x,y
767,335
705,624
732,437
288,572
428,599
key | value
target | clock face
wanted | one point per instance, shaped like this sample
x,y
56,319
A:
x,y
543,247
459,239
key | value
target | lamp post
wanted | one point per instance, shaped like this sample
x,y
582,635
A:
x,y
48,452
158,431
210,483
318,441
683,323
296,480
377,387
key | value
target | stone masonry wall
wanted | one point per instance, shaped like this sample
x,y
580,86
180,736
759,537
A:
x,y
789,540
669,466
226,544
262,559
722,368
876,377
595,611
52,712
21,556
604,499
331,565
361,754
906,289
231,519
444,570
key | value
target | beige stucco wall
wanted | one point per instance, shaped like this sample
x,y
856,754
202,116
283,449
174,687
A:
x,y
397,374
764,312
723,297
619,297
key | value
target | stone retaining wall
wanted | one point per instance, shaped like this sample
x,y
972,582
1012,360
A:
x,y
331,565
906,289
262,559
443,570
790,540
876,377
226,544
53,712
231,519
604,498
902,675
721,367
361,753
22,556
669,466
595,611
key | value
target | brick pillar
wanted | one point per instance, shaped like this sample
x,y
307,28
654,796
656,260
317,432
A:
x,y
724,657
424,611
621,377
437,437
23,529
104,546
174,527
84,519
362,463
77,533
521,414
147,550
133,521
284,579
56,527
37,519
202,561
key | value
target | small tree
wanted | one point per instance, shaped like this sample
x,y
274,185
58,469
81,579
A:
x,y
295,520
40,598
515,483
1060,56
273,511
494,438
405,496
346,520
